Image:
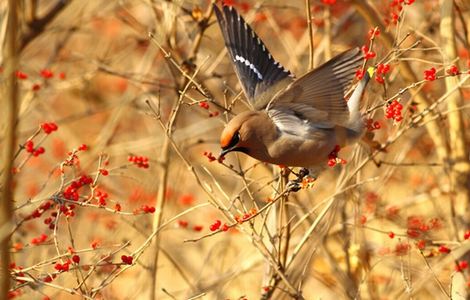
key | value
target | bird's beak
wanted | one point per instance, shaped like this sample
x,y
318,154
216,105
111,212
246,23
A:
x,y
225,151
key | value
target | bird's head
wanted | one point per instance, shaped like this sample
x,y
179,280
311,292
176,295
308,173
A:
x,y
242,133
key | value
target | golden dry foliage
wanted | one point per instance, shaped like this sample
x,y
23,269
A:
x,y
111,186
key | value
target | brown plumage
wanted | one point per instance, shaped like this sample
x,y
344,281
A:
x,y
294,122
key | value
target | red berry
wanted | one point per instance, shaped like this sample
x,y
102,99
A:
x,y
215,226
29,146
430,74
182,223
360,74
127,259
369,55
379,79
453,70
421,244
45,73
204,104
21,75
363,220
466,235
76,259
444,249
374,32
36,87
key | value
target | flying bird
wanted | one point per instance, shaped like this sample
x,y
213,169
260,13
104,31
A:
x,y
294,122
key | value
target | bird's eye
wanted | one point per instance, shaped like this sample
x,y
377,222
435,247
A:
x,y
234,141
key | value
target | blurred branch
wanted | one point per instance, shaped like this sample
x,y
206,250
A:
x,y
310,34
460,170
9,107
37,26
327,34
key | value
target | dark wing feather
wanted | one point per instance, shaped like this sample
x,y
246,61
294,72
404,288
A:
x,y
254,65
325,87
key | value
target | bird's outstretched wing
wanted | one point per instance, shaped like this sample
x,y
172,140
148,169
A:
x,y
254,65
319,96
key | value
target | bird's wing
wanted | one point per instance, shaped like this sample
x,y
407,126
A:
x,y
254,65
324,88
295,119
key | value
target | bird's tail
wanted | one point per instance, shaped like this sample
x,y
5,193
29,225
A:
x,y
355,117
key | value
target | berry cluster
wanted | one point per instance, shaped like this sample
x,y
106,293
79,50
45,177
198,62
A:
x,y
127,259
49,127
29,147
101,196
204,104
396,7
218,225
37,213
46,73
246,216
139,161
21,75
147,209
212,158
17,270
215,226
417,226
333,158
39,240
430,75
372,125
453,70
367,53
393,111
71,192
402,248
381,70
63,267
373,32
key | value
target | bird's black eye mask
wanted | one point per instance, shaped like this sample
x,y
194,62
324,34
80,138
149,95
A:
x,y
233,142
232,146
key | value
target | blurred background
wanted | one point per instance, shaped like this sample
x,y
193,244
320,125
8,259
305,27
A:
x,y
116,186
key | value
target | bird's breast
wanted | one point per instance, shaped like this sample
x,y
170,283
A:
x,y
297,151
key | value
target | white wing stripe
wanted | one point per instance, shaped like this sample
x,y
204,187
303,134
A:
x,y
247,63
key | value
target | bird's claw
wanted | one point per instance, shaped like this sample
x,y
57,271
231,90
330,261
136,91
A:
x,y
303,180
302,173
293,186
